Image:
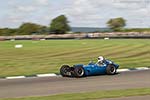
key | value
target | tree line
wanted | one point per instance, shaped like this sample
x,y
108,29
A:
x,y
59,25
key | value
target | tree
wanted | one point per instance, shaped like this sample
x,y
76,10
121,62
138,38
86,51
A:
x,y
59,25
30,28
116,23
7,31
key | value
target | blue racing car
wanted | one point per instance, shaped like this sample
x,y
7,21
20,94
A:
x,y
103,66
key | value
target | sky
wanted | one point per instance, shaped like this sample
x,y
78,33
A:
x,y
80,13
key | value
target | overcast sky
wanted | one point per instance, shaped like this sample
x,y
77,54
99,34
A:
x,y
81,13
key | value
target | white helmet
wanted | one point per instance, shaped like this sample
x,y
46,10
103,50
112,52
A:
x,y
101,59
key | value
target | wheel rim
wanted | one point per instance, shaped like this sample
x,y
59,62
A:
x,y
66,71
80,72
112,70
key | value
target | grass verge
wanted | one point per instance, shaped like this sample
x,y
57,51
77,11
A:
x,y
38,57
91,95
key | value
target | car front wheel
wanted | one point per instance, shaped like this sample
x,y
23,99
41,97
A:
x,y
65,71
79,71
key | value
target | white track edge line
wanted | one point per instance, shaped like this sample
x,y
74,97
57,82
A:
x,y
16,77
46,75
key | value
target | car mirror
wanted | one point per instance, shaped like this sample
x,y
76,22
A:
x,y
91,62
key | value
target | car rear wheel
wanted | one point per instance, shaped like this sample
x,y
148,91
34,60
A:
x,y
65,70
111,70
79,71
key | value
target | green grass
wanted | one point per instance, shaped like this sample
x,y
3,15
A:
x,y
47,56
91,95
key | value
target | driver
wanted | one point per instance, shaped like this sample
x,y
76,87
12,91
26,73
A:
x,y
101,60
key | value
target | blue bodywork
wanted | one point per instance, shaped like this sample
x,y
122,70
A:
x,y
96,69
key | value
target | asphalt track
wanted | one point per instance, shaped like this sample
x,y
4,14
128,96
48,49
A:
x,y
58,85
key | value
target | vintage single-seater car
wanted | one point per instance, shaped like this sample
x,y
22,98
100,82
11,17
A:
x,y
80,70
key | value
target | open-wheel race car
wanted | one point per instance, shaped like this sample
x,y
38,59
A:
x,y
80,70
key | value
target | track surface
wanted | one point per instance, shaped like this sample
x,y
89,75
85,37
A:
x,y
58,85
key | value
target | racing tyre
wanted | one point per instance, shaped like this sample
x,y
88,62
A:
x,y
111,70
65,71
79,71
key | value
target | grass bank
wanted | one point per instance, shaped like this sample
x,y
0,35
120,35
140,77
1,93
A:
x,y
91,95
38,57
